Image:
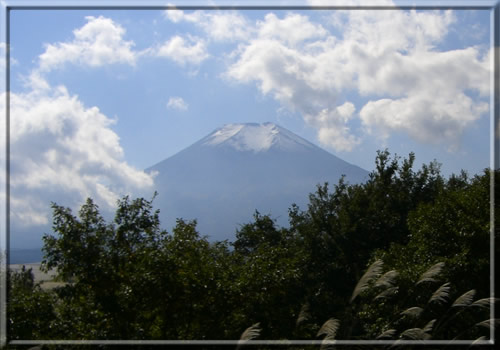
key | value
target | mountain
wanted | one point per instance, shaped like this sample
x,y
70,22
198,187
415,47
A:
x,y
239,168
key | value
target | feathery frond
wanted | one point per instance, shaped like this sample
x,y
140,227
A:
x,y
373,272
387,334
327,344
441,294
431,273
428,327
329,328
251,332
389,292
414,311
396,344
478,340
465,299
387,279
484,303
490,323
415,334
304,314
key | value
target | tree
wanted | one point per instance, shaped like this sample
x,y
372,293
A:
x,y
342,228
109,268
455,229
130,279
30,309
197,291
268,263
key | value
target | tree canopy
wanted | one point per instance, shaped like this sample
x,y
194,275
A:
x,y
352,265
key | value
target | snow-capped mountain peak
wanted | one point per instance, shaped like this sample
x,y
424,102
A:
x,y
224,177
256,137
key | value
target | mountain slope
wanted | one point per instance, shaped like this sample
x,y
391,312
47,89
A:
x,y
239,168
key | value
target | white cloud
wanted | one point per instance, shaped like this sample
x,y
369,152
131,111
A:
x,y
285,63
190,50
219,26
293,29
177,103
174,15
228,26
332,129
63,151
391,57
99,42
426,118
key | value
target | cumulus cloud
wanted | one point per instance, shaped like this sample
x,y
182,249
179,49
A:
x,y
289,60
100,41
177,103
332,129
63,151
427,88
189,50
429,119
219,26
293,29
60,149
390,57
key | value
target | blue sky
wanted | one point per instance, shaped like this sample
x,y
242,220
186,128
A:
x,y
98,96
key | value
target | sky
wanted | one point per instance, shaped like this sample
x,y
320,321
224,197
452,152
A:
x,y
97,96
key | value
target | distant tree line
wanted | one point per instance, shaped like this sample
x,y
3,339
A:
x,y
403,256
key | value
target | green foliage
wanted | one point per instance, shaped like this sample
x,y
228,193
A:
x,y
30,309
453,229
342,228
268,283
109,268
130,279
